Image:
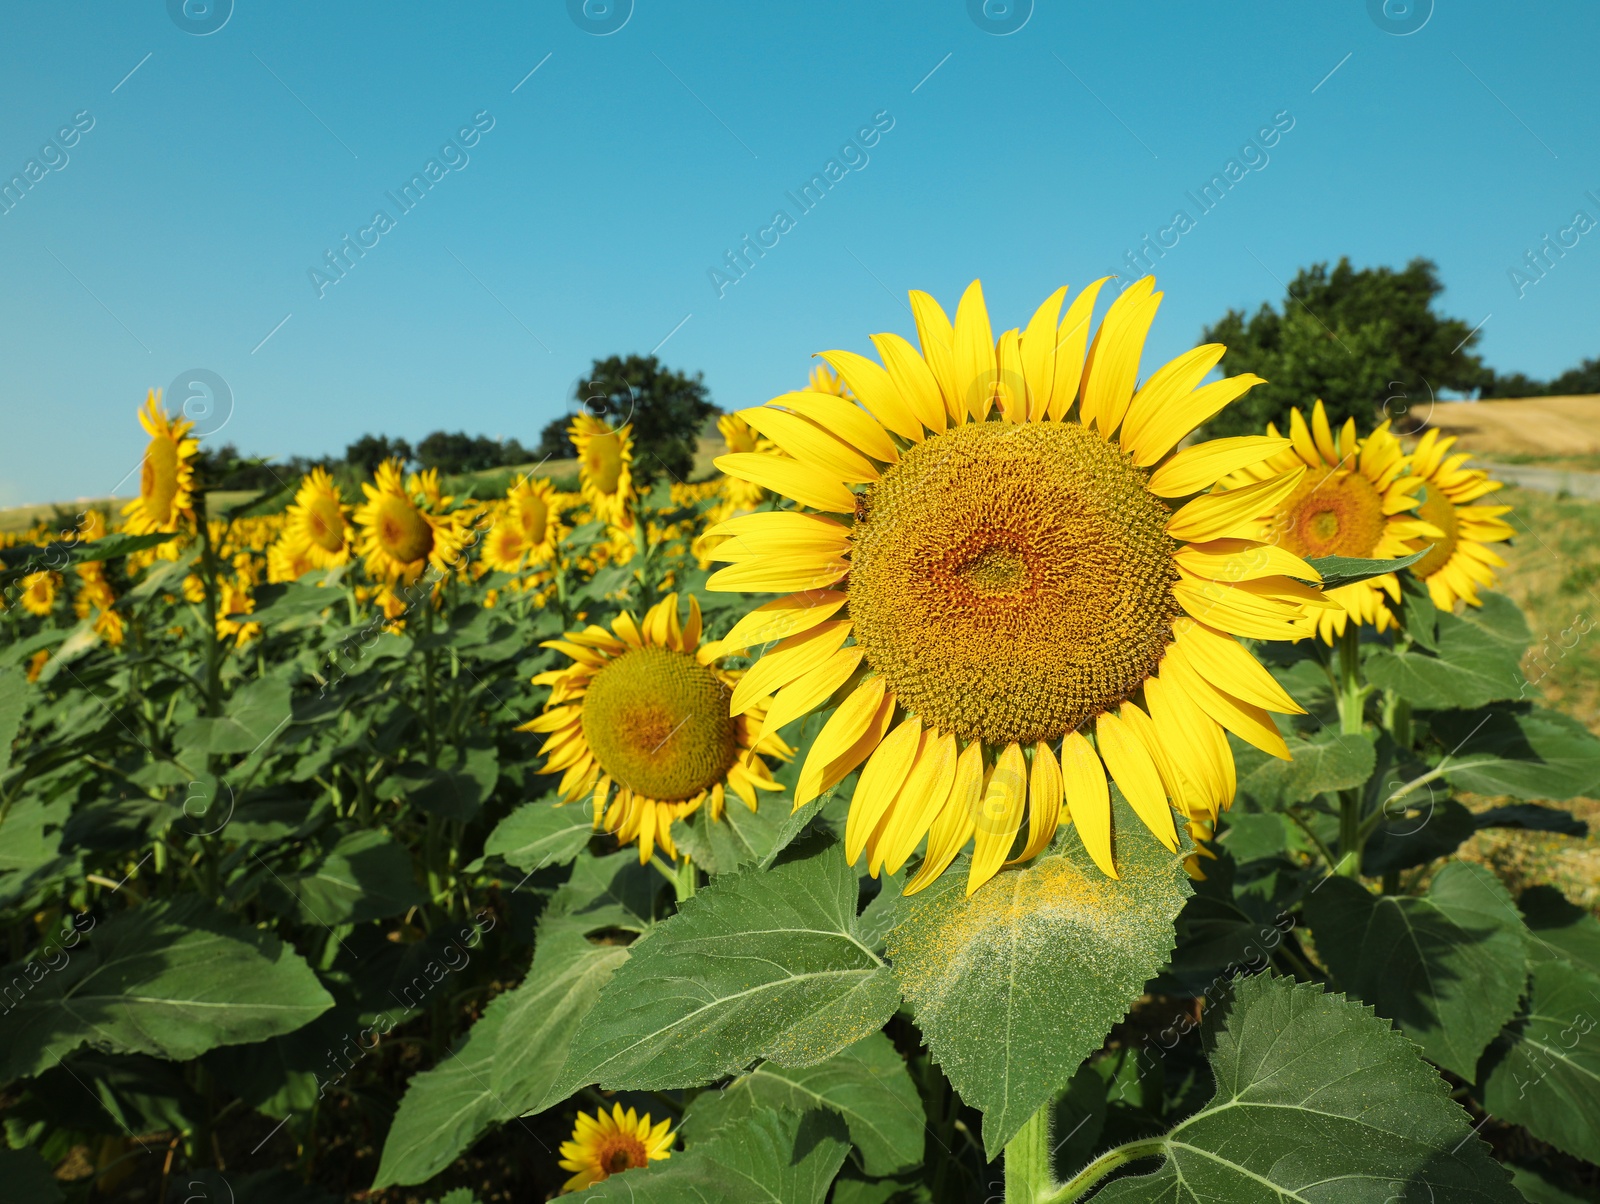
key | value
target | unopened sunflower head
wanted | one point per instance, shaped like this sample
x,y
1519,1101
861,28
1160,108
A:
x,y
1005,591
647,727
401,535
605,467
609,1143
1356,500
166,475
1460,560
318,521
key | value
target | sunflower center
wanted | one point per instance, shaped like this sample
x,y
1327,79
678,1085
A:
x,y
403,532
658,723
622,1153
158,478
533,515
603,460
1340,514
1012,581
1438,509
324,525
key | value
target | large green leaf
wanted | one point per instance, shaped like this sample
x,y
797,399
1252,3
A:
x,y
58,554
1544,1072
867,1085
760,964
1316,1100
539,834
767,1157
1016,985
366,875
13,700
1559,929
446,1109
1335,571
1448,966
1329,761
170,979
1478,660
741,837
257,713
1531,753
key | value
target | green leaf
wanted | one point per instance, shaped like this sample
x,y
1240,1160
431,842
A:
x,y
1536,1189
539,834
1329,761
447,1108
365,876
1531,817
1544,1072
299,604
1477,661
1350,570
741,837
30,833
1016,985
257,713
58,554
461,1195
27,1178
759,964
768,1157
169,979
456,791
1530,754
1448,967
1415,834
1560,930
867,1085
13,700
1317,1100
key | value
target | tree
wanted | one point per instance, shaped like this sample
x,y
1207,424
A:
x,y
460,452
369,451
1584,379
1368,343
666,408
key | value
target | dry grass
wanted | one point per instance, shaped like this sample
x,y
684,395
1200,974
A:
x,y
1537,426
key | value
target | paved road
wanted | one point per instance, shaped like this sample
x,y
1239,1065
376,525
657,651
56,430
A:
x,y
1548,480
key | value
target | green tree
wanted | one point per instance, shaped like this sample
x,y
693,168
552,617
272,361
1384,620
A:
x,y
369,451
457,452
1579,381
666,409
1367,342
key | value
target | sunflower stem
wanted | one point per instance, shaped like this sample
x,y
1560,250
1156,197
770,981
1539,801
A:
x,y
1352,695
1076,1187
208,580
1029,1179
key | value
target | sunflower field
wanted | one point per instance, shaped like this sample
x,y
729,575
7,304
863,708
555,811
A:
x,y
983,787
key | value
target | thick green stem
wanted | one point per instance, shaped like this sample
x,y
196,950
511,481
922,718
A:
x,y
1076,1187
1028,1175
1352,695
208,579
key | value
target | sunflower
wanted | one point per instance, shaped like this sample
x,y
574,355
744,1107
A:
x,y
1013,605
398,537
605,1144
605,468
525,527
644,711
825,380
287,560
1459,561
1356,501
166,477
318,520
740,437
39,593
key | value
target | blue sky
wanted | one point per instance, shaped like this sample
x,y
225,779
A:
x,y
180,230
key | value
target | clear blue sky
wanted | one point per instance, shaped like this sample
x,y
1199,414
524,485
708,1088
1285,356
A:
x,y
180,230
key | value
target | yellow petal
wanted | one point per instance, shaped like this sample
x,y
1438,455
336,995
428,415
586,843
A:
x,y
1010,390
845,419
807,692
880,781
807,485
925,794
913,379
1136,774
1221,660
1072,340
783,617
1161,434
1220,515
846,740
1039,354
1088,799
778,532
1203,465
1321,435
809,443
999,816
1167,386
1113,365
1250,723
875,390
954,825
789,661
1044,802
1242,560
777,575
937,337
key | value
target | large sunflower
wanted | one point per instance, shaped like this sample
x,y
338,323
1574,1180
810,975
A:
x,y
1356,501
166,477
1008,605
605,467
640,723
607,1144
317,519
1459,561
399,538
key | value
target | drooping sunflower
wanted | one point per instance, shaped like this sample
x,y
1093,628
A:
x,y
605,467
609,1143
1460,560
166,477
319,520
641,724
398,537
1356,500
1011,602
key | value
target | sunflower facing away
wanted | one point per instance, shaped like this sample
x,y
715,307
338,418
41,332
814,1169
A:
x,y
317,520
166,477
400,539
607,1144
605,468
1459,561
640,724
1004,589
1355,501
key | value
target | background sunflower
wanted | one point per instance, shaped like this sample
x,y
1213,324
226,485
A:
x,y
605,468
399,539
318,520
166,475
1460,560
